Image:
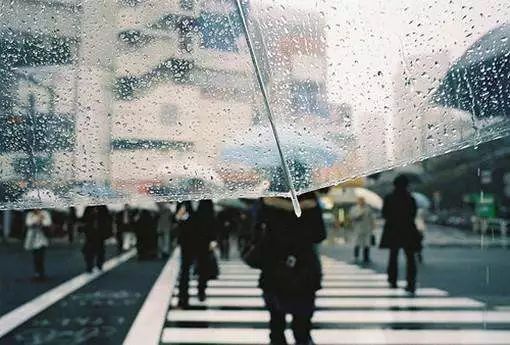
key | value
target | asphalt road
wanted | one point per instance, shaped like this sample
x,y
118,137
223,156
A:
x,y
103,311
63,261
482,274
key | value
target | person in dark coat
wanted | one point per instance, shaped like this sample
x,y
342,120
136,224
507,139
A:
x,y
400,232
146,235
196,222
290,267
97,226
227,223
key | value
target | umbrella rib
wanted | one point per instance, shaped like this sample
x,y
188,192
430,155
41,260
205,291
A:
x,y
270,116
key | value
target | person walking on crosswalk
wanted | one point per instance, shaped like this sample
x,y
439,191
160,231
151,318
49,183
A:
x,y
363,223
400,232
290,267
196,232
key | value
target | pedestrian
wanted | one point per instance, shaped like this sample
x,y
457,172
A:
x,y
164,228
245,230
125,235
400,232
226,226
196,222
97,226
290,267
363,222
38,224
146,235
71,224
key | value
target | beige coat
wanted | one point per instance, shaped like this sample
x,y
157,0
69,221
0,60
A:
x,y
35,237
363,221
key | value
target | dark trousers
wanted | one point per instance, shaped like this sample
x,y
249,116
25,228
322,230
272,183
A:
x,y
225,248
119,237
366,253
187,261
301,308
38,256
94,255
393,267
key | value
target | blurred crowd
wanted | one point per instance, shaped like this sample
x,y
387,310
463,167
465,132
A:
x,y
152,228
268,235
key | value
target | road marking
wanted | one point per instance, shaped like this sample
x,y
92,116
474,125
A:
x,y
146,329
346,316
326,292
340,270
251,336
20,315
342,302
325,284
355,307
346,276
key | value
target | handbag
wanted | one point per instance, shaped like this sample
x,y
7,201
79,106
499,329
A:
x,y
212,266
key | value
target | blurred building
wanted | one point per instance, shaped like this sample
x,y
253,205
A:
x,y
133,92
38,45
183,85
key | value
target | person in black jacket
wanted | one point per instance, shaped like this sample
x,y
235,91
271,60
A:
x,y
146,235
290,267
195,221
400,232
97,228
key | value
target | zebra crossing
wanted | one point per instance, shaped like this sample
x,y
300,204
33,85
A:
x,y
354,307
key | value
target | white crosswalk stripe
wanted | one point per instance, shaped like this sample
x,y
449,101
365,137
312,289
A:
x,y
355,306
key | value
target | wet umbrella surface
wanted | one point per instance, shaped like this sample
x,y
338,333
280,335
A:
x,y
122,100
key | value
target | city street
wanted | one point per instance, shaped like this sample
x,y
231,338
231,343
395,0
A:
x,y
463,299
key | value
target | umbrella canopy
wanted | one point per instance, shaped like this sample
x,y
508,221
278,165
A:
x,y
43,197
422,201
479,82
301,94
96,191
257,148
350,196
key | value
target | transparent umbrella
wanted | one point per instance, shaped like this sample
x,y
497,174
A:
x,y
422,201
301,94
350,196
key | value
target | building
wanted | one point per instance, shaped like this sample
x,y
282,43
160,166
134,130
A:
x,y
139,93
37,107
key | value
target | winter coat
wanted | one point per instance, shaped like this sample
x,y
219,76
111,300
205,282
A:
x,y
125,221
35,237
362,218
287,236
197,230
97,224
399,212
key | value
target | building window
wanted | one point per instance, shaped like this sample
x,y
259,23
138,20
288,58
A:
x,y
169,114
27,49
